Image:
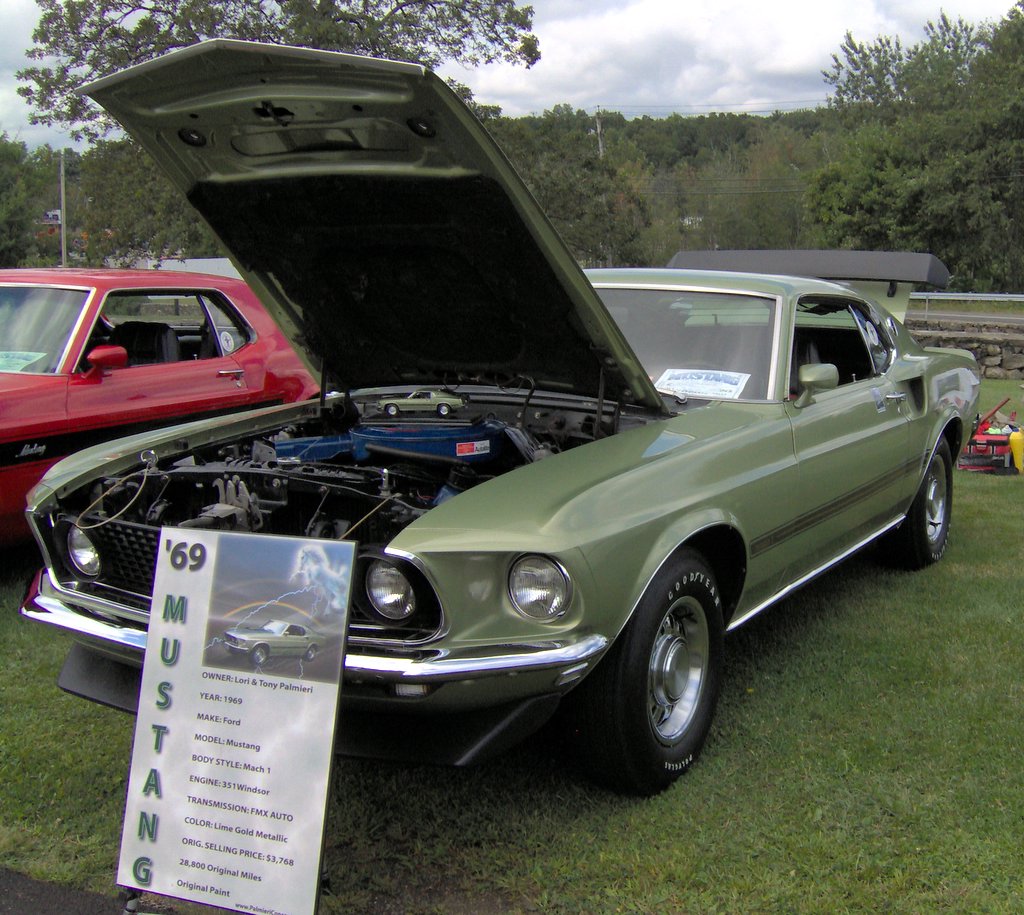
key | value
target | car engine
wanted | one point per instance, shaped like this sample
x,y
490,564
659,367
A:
x,y
348,474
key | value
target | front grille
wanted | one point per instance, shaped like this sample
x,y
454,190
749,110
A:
x,y
129,552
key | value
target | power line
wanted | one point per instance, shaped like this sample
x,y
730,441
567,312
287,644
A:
x,y
722,107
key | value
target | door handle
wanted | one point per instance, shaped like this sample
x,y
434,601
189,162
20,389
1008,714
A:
x,y
896,397
237,374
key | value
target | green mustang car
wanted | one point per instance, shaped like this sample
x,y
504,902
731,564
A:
x,y
644,459
426,401
263,640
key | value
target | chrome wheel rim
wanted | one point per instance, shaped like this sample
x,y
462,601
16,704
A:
x,y
935,497
678,669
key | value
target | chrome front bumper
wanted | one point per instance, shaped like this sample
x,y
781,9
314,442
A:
x,y
560,662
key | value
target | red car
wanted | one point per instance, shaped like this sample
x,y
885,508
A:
x,y
90,355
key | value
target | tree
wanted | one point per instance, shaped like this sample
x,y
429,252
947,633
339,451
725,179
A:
x,y
77,41
750,196
879,82
933,155
134,211
596,208
15,212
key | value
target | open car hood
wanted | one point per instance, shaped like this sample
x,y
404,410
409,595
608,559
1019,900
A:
x,y
375,217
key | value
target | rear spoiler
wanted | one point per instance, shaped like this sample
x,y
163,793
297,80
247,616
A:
x,y
886,276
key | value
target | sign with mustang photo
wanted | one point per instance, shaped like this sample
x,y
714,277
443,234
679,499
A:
x,y
236,723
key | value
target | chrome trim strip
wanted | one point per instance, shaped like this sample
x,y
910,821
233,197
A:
x,y
56,591
507,659
517,660
800,582
50,587
52,612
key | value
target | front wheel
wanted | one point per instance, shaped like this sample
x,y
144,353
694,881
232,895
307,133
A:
x,y
259,655
641,718
391,409
922,537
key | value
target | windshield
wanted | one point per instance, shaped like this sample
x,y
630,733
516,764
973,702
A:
x,y
714,345
35,325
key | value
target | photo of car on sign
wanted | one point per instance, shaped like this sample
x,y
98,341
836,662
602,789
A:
x,y
261,641
642,459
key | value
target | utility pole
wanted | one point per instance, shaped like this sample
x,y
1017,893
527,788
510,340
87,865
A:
x,y
63,217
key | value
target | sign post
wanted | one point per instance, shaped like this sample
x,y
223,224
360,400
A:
x,y
237,711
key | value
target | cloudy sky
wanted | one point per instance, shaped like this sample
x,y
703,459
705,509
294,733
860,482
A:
x,y
635,56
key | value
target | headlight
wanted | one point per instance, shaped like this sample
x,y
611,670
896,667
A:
x,y
389,591
82,552
539,588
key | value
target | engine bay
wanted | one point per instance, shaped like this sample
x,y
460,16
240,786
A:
x,y
346,475
348,470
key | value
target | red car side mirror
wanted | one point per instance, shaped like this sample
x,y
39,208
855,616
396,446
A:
x,y
107,357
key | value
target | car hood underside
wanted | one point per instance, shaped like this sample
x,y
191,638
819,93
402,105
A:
x,y
376,218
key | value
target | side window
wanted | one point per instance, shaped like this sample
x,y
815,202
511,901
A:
x,y
833,331
160,326
876,339
229,331
154,327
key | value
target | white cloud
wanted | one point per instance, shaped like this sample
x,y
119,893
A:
x,y
636,56
661,55
18,22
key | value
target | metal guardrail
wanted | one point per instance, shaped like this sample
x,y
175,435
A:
x,y
928,297
969,296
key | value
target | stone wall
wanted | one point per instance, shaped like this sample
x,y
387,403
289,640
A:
x,y
998,349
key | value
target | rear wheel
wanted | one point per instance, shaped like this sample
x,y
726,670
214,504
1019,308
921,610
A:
x,y
641,718
443,409
391,409
922,537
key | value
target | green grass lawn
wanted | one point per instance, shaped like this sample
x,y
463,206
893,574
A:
x,y
867,757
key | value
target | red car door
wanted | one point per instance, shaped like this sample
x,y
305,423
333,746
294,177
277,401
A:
x,y
181,365
33,435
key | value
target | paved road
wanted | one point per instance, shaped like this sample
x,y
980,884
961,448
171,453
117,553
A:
x,y
973,317
21,895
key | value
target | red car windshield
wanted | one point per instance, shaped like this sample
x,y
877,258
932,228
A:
x,y
35,325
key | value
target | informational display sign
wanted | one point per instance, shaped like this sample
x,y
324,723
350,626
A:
x,y
711,383
237,712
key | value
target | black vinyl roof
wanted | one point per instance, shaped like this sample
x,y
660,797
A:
x,y
829,264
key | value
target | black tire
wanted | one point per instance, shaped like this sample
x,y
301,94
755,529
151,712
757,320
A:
x,y
259,655
391,409
922,537
310,653
443,409
640,720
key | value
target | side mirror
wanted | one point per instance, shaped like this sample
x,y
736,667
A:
x,y
816,377
105,357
